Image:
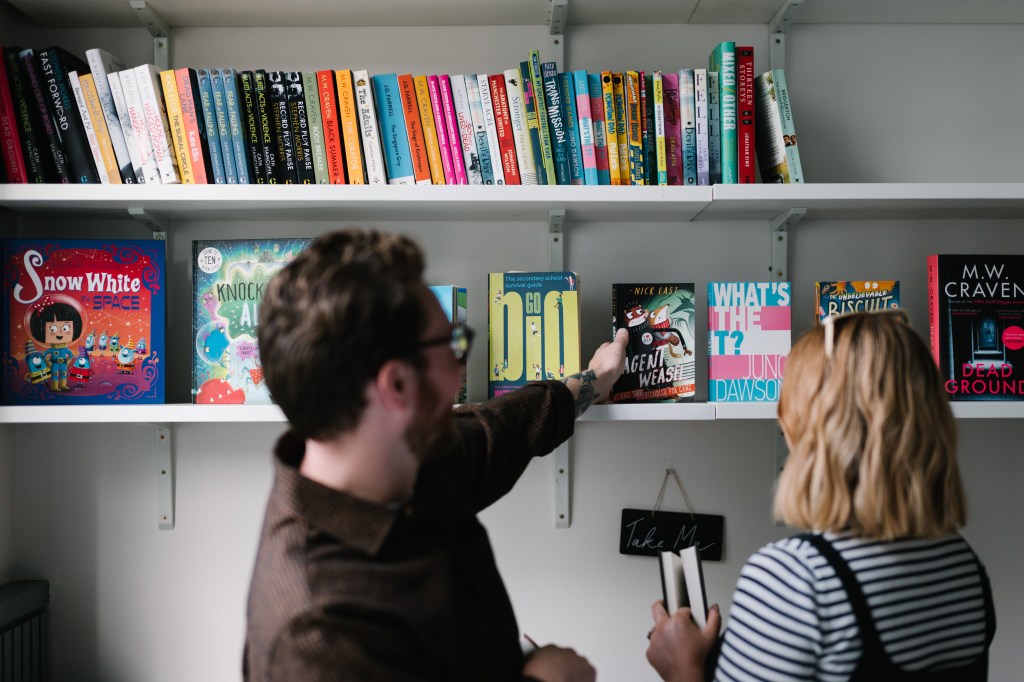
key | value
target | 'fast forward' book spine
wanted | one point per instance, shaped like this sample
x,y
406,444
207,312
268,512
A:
x,y
222,126
745,115
55,65
368,129
51,148
101,64
520,128
393,133
236,126
311,91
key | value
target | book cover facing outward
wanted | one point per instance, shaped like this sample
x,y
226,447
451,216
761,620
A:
x,y
533,328
749,336
453,302
660,319
83,321
228,280
976,324
841,298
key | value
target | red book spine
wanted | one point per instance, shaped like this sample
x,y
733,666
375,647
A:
x,y
503,126
745,115
454,140
933,308
417,148
332,131
14,160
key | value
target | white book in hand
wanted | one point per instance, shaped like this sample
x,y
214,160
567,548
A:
x,y
682,583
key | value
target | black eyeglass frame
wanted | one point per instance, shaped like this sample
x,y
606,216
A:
x,y
460,340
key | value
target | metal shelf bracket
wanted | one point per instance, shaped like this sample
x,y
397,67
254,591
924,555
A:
x,y
556,239
162,445
563,486
780,224
156,223
557,19
777,30
158,28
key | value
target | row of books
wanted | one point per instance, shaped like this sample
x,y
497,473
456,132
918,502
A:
x,y
68,120
83,322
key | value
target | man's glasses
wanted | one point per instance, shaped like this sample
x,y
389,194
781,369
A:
x,y
460,341
831,322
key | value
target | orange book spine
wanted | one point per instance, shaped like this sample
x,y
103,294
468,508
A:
x,y
350,127
414,127
99,127
430,139
176,123
189,118
332,130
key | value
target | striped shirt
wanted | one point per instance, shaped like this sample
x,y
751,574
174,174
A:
x,y
791,619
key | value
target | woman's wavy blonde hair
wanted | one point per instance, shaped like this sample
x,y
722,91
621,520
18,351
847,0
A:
x,y
871,435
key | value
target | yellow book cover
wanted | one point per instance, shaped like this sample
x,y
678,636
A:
x,y
176,122
611,131
619,107
99,127
350,127
634,123
429,130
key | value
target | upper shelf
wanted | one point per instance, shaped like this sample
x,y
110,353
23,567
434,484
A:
x,y
425,203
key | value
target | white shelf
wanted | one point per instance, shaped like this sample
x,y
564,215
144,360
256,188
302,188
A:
x,y
655,412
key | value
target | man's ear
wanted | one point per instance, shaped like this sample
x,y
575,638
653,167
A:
x,y
396,384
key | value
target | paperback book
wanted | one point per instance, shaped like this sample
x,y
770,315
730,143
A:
x,y
840,298
682,583
453,303
83,321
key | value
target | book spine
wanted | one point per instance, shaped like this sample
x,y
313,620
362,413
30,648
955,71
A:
x,y
236,126
441,126
431,141
253,127
195,125
176,123
206,119
581,87
688,125
350,135
646,85
271,158
38,165
140,128
148,78
543,129
296,92
723,61
314,119
466,135
332,127
503,129
673,132
600,128
90,135
102,64
770,144
659,129
533,124
107,159
934,296
51,148
124,121
745,115
619,97
281,121
490,128
700,109
393,130
611,126
64,110
520,130
451,123
796,173
714,130
10,137
414,130
633,128
572,127
222,127
372,152
554,111
476,115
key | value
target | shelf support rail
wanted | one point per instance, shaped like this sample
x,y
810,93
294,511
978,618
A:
x,y
563,487
164,475
780,224
777,29
558,16
158,28
556,239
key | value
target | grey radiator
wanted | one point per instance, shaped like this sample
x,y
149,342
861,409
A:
x,y
23,654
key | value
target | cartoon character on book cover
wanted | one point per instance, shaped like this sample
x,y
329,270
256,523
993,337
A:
x,y
533,328
749,335
841,298
229,278
659,358
63,295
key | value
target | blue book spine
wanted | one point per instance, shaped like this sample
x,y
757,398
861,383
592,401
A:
x,y
236,126
532,122
393,134
604,176
476,113
556,122
223,133
210,118
572,128
688,124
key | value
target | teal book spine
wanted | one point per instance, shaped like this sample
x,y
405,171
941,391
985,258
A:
x,y
210,120
723,61
598,117
796,173
220,110
393,135
556,123
572,128
237,121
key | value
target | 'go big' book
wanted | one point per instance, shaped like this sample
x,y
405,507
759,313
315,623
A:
x,y
533,328
749,336
228,281
83,321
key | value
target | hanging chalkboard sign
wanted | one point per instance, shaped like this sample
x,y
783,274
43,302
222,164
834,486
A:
x,y
645,533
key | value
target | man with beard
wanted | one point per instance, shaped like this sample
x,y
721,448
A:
x,y
372,564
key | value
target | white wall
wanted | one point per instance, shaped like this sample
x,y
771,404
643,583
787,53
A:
x,y
917,103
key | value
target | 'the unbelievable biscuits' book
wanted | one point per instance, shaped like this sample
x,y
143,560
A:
x,y
533,328
660,319
453,303
83,321
228,280
748,340
976,319
840,298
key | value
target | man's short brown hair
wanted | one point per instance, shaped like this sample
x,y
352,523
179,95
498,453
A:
x,y
331,318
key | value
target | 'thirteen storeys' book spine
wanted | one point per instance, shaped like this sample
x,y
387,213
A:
x,y
349,118
148,169
281,122
102,64
700,100
253,127
553,110
332,127
49,140
796,173
55,64
300,127
428,123
600,128
586,127
271,159
525,162
147,77
490,127
465,135
207,111
745,115
503,129
414,129
220,120
10,135
673,131
314,115
451,124
476,117
533,123
723,61
441,126
236,126
393,133
368,129
688,125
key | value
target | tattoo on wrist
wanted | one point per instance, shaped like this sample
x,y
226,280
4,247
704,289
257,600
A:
x,y
586,394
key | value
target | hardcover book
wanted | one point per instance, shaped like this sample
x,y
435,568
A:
x,y
840,298
976,324
748,340
453,303
228,280
660,319
533,328
83,321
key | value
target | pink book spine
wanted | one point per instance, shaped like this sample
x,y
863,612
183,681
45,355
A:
x,y
583,113
597,117
442,130
452,128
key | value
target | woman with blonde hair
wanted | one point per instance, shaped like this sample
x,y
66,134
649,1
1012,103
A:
x,y
882,586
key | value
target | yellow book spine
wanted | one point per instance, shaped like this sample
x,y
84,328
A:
x,y
429,130
350,127
634,144
659,128
619,99
176,122
99,127
611,132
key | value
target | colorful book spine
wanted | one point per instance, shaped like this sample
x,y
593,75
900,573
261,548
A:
x,y
148,77
441,125
393,132
611,126
176,126
533,123
619,97
673,129
646,83
634,143
220,119
98,124
253,127
148,168
453,303
545,137
281,124
350,134
236,126
490,127
373,155
796,173
554,111
581,85
570,116
431,141
414,129
714,130
525,160
660,147
102,64
465,133
503,129
768,138
688,125
301,137
600,128
745,147
271,157
749,336
315,126
38,166
90,135
55,65
476,118
195,125
332,127
213,151
700,109
451,122
723,61
50,139
10,136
